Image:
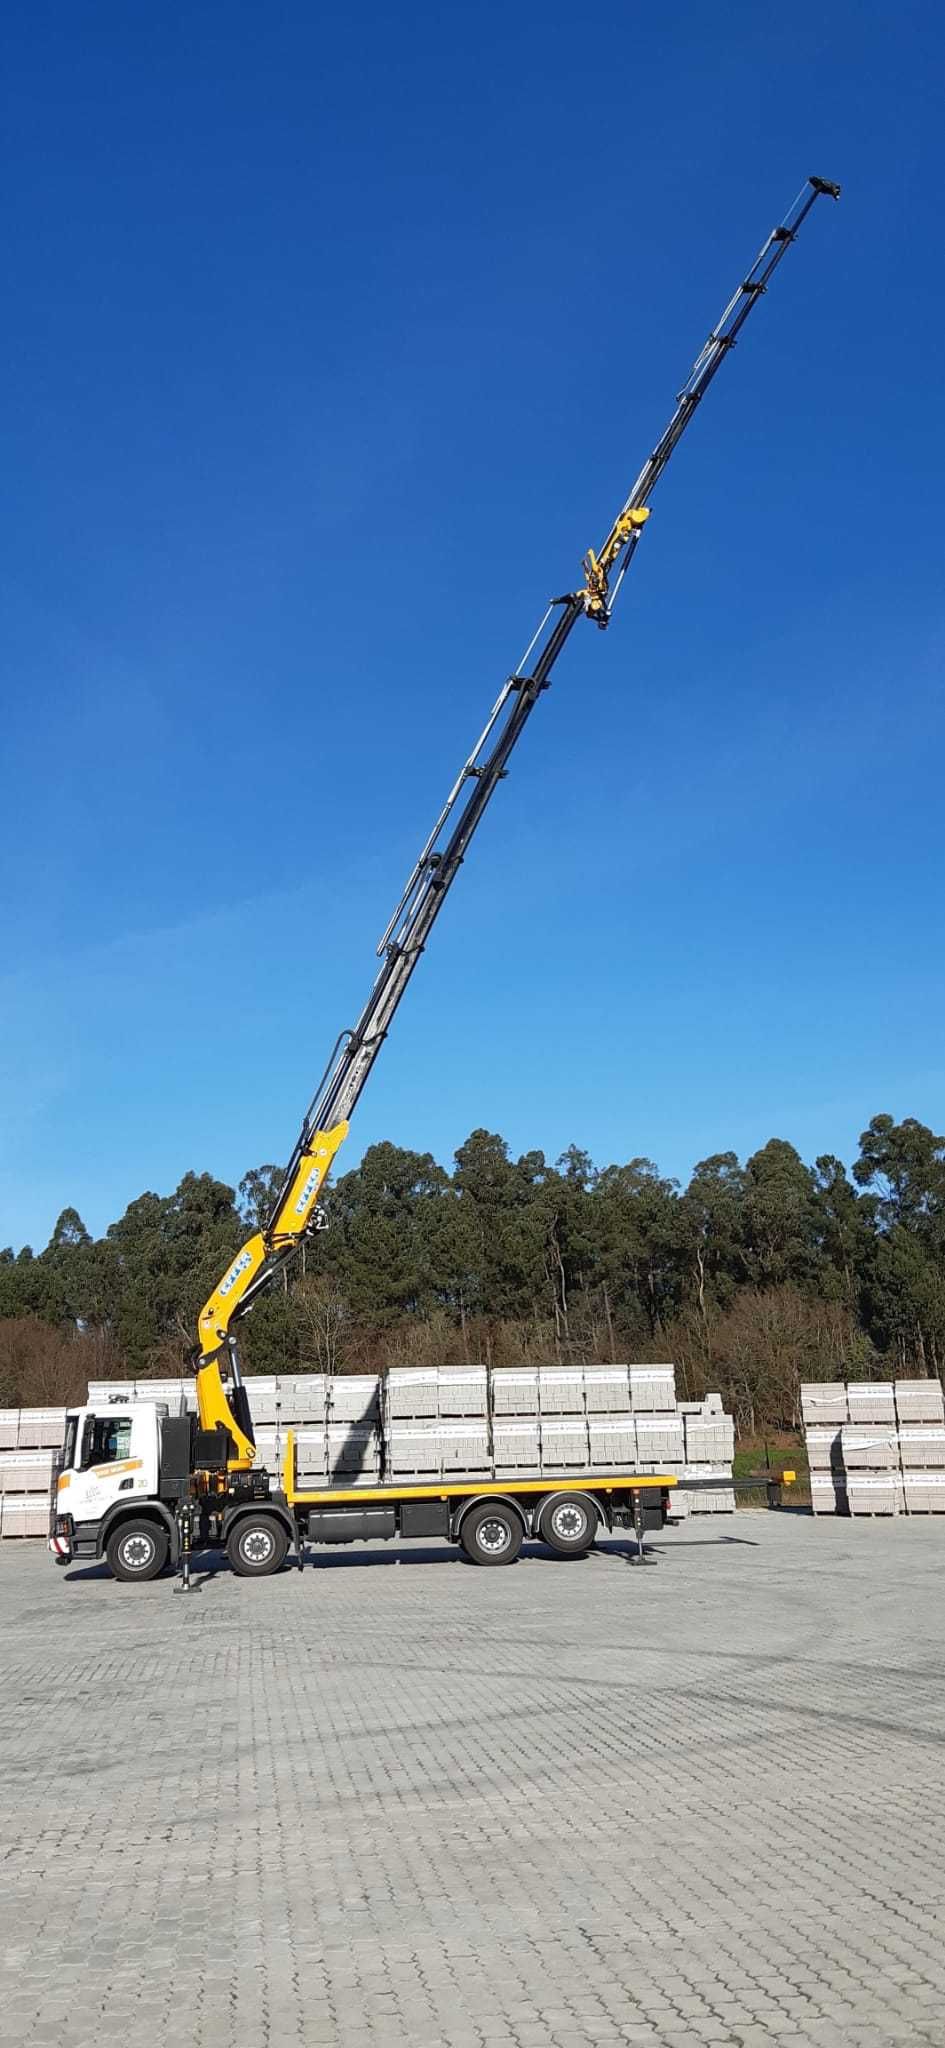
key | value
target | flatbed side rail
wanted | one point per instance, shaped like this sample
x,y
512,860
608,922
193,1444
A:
x,y
466,1488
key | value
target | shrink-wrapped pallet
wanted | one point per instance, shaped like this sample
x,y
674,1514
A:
x,y
871,1401
462,1390
354,1397
564,1443
824,1401
613,1441
411,1393
919,1401
653,1389
561,1390
515,1445
875,1493
660,1437
869,1448
607,1389
514,1391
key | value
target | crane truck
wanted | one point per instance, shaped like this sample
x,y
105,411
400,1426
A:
x,y
138,1486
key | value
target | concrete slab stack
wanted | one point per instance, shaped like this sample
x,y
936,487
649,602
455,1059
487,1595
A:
x,y
516,1445
652,1389
514,1392
920,1409
25,1485
876,1447
9,1426
607,1389
824,1412
919,1401
561,1390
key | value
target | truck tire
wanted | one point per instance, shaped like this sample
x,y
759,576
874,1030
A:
x,y
568,1524
256,1546
137,1550
492,1534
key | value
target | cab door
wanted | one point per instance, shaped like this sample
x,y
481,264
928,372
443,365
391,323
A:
x,y
113,1462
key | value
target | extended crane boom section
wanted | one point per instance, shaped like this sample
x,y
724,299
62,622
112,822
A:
x,y
295,1214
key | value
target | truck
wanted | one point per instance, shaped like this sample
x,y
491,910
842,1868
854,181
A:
x,y
125,1495
138,1486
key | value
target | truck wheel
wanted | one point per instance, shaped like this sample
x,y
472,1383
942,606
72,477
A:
x,y
138,1550
492,1534
256,1546
568,1524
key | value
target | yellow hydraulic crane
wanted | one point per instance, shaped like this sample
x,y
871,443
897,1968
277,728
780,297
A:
x,y
295,1214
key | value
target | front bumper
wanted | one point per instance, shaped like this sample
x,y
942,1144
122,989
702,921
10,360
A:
x,y
60,1541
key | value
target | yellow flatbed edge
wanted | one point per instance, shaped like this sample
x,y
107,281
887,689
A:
x,y
444,1489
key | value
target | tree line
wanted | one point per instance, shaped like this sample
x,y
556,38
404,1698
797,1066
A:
x,y
751,1278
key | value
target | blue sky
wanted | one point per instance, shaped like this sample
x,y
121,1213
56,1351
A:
x,y
333,341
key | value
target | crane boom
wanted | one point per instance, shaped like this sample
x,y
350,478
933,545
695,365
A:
x,y
294,1213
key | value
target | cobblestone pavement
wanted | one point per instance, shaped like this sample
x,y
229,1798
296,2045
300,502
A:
x,y
419,1803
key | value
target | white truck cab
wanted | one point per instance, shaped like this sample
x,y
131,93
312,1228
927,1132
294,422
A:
x,y
109,1468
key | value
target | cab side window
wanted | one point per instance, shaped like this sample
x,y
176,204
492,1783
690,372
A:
x,y
106,1439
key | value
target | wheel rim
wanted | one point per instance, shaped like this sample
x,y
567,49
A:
x,y
257,1546
494,1535
569,1522
137,1552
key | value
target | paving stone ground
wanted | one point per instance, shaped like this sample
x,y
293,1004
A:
x,y
552,1806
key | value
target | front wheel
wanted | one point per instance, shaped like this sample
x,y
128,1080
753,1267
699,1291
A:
x,y
138,1550
492,1534
257,1546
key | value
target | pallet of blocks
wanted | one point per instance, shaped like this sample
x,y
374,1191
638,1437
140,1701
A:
x,y
875,1447
26,1478
869,1450
920,1410
824,1413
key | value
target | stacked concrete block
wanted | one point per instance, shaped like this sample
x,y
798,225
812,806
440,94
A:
x,y
263,1392
269,1447
464,1446
353,1454
919,1401
872,1401
298,1401
865,1449
516,1445
311,1456
709,1434
922,1446
354,1397
564,1443
661,1440
24,1514
869,1451
828,1492
712,1498
606,1389
824,1401
613,1440
876,1493
411,1394
923,1492
26,1472
825,1413
9,1427
653,1389
514,1392
561,1390
41,1429
462,1390
412,1449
